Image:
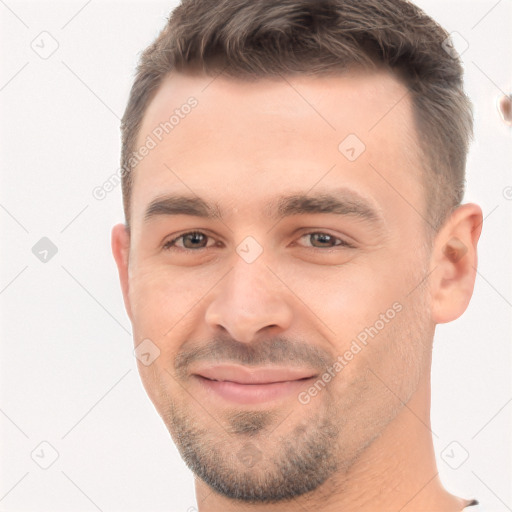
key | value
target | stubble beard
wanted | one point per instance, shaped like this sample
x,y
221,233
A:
x,y
246,456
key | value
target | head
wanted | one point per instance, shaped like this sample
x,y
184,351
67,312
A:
x,y
265,40
292,183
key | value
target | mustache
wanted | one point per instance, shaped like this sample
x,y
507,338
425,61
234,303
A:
x,y
267,352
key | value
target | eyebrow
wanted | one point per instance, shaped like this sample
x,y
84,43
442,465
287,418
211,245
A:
x,y
343,202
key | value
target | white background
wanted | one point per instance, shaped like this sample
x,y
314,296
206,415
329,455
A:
x,y
68,374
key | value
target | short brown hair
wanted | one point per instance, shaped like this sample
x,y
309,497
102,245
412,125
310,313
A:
x,y
264,38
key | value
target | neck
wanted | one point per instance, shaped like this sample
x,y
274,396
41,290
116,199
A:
x,y
396,472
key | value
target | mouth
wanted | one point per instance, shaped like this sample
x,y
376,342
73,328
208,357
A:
x,y
244,385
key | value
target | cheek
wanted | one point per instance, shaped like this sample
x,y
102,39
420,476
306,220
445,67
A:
x,y
351,297
155,294
386,367
165,304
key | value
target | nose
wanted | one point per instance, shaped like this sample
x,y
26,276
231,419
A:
x,y
250,301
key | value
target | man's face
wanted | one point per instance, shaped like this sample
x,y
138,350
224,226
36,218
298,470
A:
x,y
252,311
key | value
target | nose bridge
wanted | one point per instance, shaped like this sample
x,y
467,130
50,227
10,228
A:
x,y
251,285
249,300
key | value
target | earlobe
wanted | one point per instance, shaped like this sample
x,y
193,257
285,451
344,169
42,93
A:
x,y
454,262
120,242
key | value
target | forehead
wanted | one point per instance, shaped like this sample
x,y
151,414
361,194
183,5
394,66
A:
x,y
242,141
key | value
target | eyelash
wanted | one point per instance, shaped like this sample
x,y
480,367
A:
x,y
168,246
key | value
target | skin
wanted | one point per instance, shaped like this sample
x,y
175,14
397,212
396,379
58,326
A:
x,y
243,145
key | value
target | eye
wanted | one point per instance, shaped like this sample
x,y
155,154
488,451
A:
x,y
195,240
325,240
191,241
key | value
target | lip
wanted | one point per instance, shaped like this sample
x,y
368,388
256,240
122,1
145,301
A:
x,y
245,375
244,385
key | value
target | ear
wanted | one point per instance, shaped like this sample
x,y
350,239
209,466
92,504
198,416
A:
x,y
453,263
120,242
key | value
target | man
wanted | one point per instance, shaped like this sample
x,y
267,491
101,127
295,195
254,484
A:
x,y
292,186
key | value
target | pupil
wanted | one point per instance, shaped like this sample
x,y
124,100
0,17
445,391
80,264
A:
x,y
322,238
194,238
